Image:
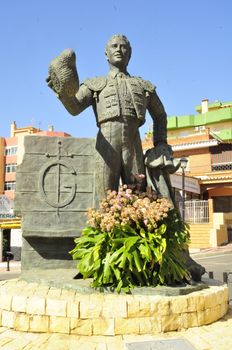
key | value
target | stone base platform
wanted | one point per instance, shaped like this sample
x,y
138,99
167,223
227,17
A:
x,y
38,307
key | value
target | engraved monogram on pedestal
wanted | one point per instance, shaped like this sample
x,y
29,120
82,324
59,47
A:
x,y
56,176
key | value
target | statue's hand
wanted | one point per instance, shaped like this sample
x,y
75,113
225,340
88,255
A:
x,y
161,156
164,149
51,85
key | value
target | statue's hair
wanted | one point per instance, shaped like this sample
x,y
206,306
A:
x,y
121,36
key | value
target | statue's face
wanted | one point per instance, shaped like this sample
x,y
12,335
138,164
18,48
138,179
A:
x,y
118,52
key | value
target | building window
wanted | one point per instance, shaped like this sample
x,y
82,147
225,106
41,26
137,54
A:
x,y
9,186
11,151
10,168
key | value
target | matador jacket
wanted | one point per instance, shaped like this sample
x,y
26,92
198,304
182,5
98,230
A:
x,y
117,96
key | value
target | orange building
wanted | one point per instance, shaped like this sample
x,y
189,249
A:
x,y
205,140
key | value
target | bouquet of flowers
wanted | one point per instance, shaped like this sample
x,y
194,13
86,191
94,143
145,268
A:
x,y
134,239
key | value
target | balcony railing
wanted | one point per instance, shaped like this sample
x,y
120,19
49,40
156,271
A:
x,y
222,166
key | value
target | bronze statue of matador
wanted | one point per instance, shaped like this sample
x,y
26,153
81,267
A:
x,y
119,102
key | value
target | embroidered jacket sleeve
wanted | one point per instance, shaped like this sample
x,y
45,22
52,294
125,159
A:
x,y
76,104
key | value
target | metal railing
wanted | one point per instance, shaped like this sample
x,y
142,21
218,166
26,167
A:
x,y
196,211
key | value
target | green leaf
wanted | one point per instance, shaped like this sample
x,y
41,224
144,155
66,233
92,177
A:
x,y
137,260
128,229
145,251
78,253
163,245
87,231
142,232
85,264
115,257
116,272
130,242
123,259
156,253
107,275
119,286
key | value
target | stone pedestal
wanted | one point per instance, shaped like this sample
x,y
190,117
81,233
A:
x,y
55,187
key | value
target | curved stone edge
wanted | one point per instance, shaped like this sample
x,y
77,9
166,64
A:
x,y
34,307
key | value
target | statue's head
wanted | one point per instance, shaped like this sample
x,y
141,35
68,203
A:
x,y
118,51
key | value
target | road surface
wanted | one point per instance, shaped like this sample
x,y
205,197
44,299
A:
x,y
217,262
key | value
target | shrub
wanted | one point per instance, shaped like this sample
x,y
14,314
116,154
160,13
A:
x,y
134,239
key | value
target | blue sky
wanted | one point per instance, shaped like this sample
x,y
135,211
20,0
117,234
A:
x,y
182,46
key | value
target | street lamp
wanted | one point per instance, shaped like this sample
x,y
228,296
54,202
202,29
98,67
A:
x,y
183,165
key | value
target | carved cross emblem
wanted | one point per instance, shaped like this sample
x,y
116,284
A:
x,y
56,176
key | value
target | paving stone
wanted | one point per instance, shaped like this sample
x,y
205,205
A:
x,y
38,343
4,341
115,343
16,344
101,346
87,345
3,329
199,342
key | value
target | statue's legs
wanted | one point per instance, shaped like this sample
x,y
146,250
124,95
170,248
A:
x,y
119,154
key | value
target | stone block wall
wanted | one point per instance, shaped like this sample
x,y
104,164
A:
x,y
35,307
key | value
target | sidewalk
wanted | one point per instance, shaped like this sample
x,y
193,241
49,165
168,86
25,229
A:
x,y
15,270
16,265
222,249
